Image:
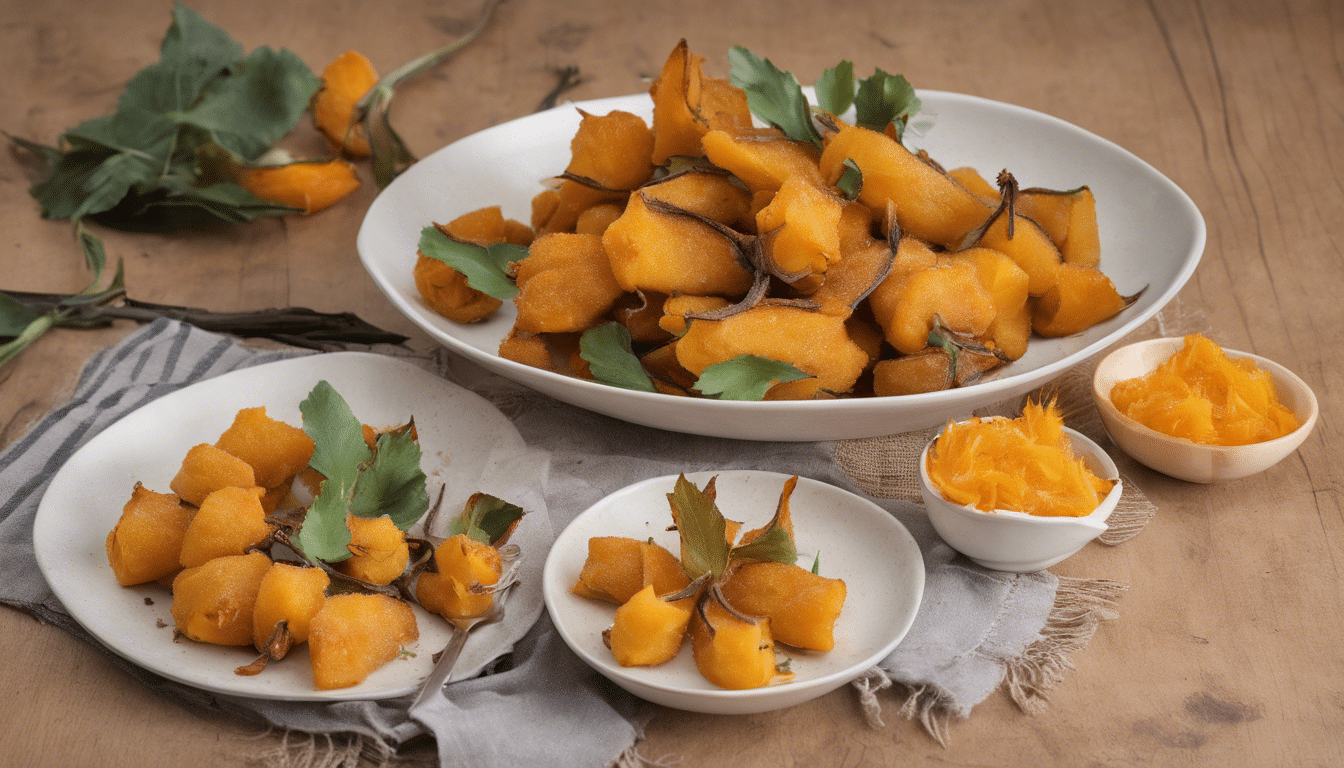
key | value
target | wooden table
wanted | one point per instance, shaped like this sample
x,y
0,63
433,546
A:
x,y
1228,646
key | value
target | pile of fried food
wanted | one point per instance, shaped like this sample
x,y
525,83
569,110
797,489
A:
x,y
862,264
734,596
227,540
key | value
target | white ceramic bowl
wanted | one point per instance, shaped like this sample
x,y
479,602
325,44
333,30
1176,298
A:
x,y
1185,459
1151,232
857,540
1015,541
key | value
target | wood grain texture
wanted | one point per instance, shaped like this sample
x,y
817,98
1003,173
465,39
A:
x,y
1227,649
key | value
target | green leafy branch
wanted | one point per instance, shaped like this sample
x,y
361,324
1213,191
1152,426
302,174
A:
x,y
140,166
389,154
487,519
26,316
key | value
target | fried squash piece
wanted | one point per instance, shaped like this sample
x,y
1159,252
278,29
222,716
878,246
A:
x,y
611,155
815,343
655,251
687,103
565,284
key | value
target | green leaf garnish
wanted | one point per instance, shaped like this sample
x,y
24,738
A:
x,y
884,99
22,324
774,545
836,88
387,481
14,316
775,542
704,549
486,519
773,95
338,436
323,534
816,564
745,377
390,155
485,267
611,358
393,484
851,179
776,97
254,104
339,452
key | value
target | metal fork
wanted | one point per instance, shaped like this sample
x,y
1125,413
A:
x,y
443,668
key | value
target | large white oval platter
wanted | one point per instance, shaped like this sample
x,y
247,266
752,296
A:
x,y
1152,235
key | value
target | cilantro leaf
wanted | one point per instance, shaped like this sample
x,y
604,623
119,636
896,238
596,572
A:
x,y
884,99
485,267
835,89
745,377
486,519
773,95
394,484
704,546
610,356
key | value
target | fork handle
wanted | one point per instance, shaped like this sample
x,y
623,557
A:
x,y
438,677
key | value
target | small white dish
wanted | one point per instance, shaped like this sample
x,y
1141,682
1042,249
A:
x,y
1015,541
459,432
1185,459
1152,238
857,540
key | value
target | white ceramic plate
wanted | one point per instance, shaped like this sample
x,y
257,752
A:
x,y
1151,232
458,432
858,542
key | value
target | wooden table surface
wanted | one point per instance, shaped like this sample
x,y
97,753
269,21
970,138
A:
x,y
1228,646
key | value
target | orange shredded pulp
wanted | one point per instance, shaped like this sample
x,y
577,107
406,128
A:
x,y
1202,395
1025,464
